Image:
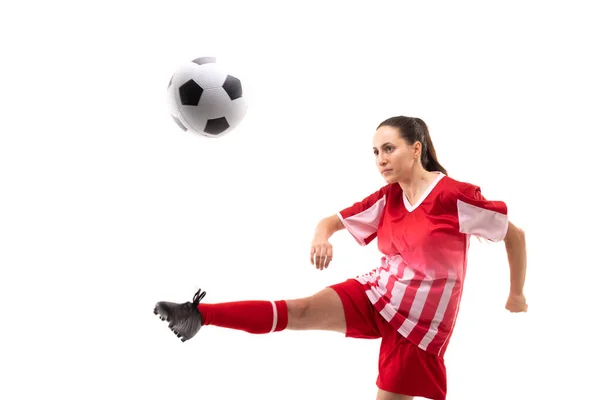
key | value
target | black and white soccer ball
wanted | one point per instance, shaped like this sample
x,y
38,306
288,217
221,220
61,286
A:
x,y
205,99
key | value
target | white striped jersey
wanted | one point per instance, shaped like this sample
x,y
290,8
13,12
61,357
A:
x,y
418,284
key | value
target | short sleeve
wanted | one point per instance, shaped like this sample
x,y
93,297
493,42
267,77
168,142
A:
x,y
362,218
481,217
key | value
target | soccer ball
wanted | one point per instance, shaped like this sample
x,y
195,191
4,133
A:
x,y
203,98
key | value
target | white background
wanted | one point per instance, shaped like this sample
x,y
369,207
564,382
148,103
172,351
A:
x,y
106,206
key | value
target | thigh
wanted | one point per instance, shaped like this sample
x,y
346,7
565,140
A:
x,y
321,311
383,395
361,317
343,307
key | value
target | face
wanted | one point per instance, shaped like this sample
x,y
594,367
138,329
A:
x,y
394,157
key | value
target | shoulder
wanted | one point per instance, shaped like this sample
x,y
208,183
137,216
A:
x,y
384,193
454,192
379,195
457,188
466,194
387,190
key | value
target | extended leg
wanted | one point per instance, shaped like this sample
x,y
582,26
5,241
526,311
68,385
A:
x,y
321,311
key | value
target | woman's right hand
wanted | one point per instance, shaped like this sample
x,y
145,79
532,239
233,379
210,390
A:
x,y
321,253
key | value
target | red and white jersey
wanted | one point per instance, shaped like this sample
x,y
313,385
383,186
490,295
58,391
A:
x,y
418,285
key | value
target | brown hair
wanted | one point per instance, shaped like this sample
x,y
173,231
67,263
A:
x,y
413,130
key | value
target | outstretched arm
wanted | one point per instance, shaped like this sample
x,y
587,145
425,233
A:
x,y
516,252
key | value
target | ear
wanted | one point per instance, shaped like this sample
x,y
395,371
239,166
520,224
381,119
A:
x,y
417,147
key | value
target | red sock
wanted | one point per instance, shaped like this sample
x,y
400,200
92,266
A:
x,y
255,316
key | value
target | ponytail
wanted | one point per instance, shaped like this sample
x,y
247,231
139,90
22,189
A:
x,y
428,155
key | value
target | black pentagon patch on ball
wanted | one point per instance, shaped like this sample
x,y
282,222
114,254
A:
x,y
178,122
205,60
190,93
233,87
216,126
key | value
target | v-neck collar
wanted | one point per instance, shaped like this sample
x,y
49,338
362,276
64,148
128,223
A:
x,y
411,207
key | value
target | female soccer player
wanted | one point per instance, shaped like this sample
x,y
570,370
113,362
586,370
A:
x,y
423,220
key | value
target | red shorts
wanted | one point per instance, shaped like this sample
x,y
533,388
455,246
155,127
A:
x,y
403,367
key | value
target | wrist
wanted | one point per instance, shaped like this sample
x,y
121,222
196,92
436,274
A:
x,y
321,237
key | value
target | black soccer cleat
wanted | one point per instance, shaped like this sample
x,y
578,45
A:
x,y
184,318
